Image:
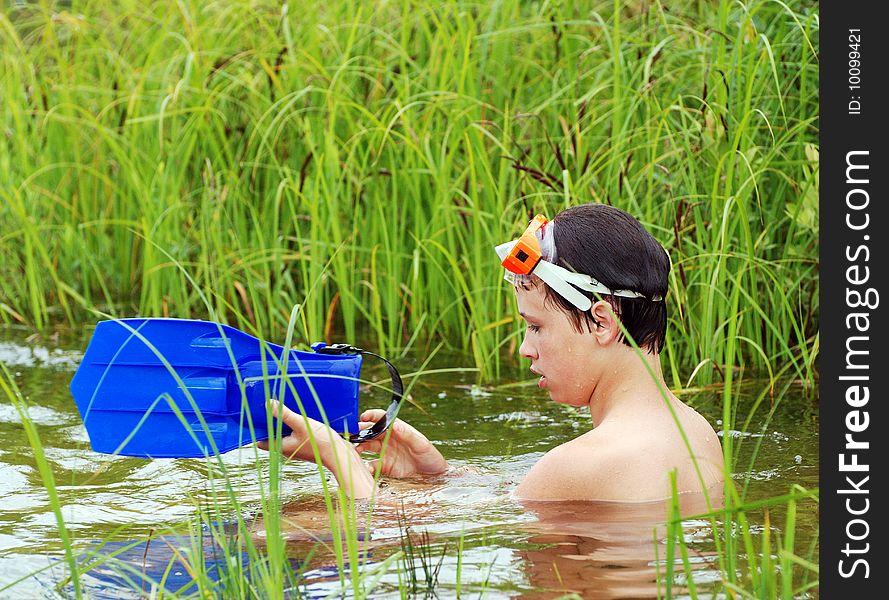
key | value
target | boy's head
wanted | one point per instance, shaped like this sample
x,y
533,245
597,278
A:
x,y
613,248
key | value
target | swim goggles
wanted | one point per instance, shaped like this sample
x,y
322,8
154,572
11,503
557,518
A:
x,y
535,253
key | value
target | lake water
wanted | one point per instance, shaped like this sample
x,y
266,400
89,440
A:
x,y
469,521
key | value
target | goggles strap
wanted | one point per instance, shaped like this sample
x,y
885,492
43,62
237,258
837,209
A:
x,y
590,284
380,427
550,275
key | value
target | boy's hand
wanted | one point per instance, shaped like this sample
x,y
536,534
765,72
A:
x,y
404,450
338,455
297,444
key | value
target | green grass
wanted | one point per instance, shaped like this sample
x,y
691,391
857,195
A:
x,y
364,162
232,160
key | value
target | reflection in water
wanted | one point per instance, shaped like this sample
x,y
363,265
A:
x,y
140,566
601,550
141,569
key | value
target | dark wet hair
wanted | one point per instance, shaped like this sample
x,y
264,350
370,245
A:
x,y
614,248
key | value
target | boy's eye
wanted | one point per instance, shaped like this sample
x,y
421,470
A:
x,y
533,328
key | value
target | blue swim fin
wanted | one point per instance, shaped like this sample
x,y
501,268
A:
x,y
184,388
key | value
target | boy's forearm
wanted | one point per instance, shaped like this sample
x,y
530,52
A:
x,y
349,469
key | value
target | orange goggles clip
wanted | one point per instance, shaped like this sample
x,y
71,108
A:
x,y
525,254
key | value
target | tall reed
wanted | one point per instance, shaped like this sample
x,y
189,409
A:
x,y
363,160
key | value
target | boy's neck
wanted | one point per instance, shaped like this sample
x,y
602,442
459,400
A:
x,y
627,384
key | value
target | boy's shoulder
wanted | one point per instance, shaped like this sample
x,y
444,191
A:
x,y
602,465
586,468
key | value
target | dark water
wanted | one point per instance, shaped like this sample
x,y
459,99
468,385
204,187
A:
x,y
468,520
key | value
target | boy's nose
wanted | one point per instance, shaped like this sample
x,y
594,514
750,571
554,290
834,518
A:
x,y
526,350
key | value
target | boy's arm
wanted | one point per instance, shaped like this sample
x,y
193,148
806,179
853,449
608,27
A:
x,y
336,454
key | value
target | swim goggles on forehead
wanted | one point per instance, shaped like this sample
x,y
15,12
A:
x,y
535,253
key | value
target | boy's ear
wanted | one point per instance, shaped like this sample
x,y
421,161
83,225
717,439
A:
x,y
608,329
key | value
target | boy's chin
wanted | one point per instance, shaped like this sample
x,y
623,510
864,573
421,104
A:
x,y
558,398
567,400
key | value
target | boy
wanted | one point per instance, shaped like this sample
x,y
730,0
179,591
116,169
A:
x,y
584,282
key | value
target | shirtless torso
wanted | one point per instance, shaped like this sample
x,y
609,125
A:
x,y
630,459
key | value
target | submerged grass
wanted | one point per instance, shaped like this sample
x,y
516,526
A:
x,y
756,556
232,160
